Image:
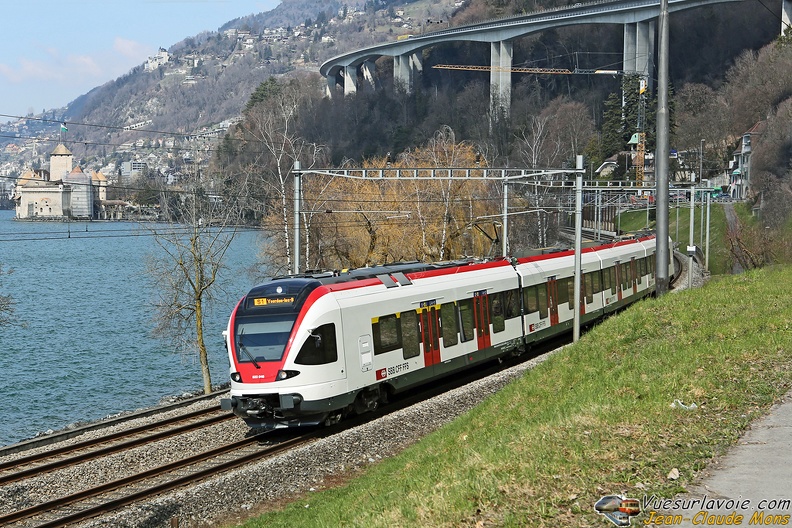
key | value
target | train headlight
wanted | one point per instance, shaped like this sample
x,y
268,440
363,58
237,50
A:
x,y
236,376
285,374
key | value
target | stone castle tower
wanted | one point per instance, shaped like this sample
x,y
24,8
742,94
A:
x,y
60,163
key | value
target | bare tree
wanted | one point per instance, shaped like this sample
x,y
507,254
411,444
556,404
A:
x,y
359,222
271,130
531,140
185,271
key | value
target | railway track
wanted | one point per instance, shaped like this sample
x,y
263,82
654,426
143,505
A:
x,y
116,494
66,434
110,495
78,453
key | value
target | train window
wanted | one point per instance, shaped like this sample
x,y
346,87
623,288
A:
x,y
652,266
466,318
588,287
320,347
563,292
496,312
566,292
541,291
530,300
448,322
606,279
262,338
596,283
410,333
571,292
614,284
512,303
386,333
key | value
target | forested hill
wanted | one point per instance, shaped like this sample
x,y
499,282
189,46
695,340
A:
x,y
209,77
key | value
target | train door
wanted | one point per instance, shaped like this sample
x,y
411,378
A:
x,y
430,334
617,266
585,288
552,300
481,318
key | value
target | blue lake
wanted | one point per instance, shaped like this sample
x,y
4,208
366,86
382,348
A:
x,y
82,348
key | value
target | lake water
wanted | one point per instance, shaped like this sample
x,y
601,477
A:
x,y
83,348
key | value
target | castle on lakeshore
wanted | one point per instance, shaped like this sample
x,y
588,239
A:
x,y
64,192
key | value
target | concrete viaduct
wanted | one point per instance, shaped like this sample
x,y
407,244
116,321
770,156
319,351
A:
x,y
639,18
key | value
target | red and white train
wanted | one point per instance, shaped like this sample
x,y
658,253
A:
x,y
306,350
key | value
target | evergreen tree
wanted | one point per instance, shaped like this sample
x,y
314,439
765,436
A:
x,y
265,91
628,113
612,126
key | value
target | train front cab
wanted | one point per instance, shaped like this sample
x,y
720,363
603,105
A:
x,y
287,364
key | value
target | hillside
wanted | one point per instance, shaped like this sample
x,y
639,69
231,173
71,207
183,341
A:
x,y
208,78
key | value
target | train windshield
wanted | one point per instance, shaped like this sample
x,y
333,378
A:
x,y
262,338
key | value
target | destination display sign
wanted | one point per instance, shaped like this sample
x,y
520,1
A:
x,y
266,301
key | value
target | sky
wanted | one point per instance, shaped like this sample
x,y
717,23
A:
x,y
51,52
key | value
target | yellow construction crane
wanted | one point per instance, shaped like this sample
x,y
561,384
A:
x,y
638,139
559,71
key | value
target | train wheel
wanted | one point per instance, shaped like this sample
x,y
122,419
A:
x,y
367,400
333,418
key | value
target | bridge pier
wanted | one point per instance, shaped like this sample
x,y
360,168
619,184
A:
x,y
406,67
639,45
350,80
368,70
786,15
501,54
332,85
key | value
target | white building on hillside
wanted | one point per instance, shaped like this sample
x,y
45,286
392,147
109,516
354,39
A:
x,y
162,57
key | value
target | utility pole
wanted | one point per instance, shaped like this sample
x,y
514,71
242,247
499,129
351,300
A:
x,y
691,249
578,247
707,243
701,179
297,196
505,229
661,155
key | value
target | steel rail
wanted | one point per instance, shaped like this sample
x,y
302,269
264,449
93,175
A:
x,y
65,434
59,464
151,473
179,482
405,400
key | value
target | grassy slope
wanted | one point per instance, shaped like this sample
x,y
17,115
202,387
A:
x,y
679,230
595,419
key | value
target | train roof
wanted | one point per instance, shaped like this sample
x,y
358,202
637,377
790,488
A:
x,y
396,274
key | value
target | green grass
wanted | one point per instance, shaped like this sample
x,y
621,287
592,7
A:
x,y
592,420
720,261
